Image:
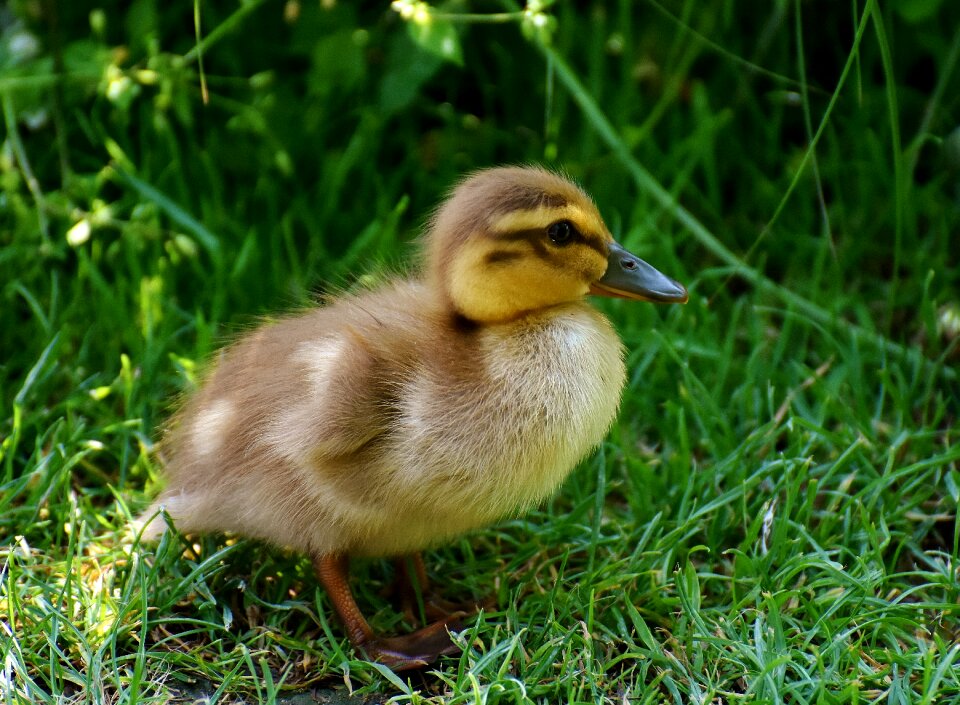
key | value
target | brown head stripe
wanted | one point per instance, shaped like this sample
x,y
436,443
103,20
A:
x,y
527,199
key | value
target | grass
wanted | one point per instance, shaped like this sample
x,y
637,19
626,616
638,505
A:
x,y
773,518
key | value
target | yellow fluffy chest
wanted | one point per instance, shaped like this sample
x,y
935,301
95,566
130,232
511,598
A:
x,y
543,394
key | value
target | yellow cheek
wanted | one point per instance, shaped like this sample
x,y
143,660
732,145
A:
x,y
503,290
546,285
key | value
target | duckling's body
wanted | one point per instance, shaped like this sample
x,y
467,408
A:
x,y
380,425
395,419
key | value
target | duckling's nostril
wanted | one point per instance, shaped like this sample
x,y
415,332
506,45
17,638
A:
x,y
628,264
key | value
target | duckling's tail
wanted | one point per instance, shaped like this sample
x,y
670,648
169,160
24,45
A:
x,y
149,526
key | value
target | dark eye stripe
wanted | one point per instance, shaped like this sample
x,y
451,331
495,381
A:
x,y
502,256
517,235
535,235
594,245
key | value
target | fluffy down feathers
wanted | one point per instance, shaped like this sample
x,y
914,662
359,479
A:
x,y
394,419
381,425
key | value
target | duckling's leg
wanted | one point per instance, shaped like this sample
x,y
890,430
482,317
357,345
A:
x,y
409,582
414,650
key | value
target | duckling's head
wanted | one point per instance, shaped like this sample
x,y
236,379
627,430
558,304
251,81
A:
x,y
514,240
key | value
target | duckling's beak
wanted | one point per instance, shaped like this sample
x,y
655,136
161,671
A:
x,y
629,277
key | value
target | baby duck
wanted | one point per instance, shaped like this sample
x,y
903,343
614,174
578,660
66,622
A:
x,y
395,419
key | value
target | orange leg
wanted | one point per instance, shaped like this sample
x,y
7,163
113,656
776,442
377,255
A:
x,y
408,582
414,650
419,570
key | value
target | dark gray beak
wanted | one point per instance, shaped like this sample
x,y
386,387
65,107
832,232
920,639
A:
x,y
629,277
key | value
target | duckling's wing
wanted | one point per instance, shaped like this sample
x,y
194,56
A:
x,y
290,411
342,397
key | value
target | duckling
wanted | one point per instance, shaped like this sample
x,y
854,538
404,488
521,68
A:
x,y
395,419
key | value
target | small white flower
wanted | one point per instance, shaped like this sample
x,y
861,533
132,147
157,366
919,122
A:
x,y
79,233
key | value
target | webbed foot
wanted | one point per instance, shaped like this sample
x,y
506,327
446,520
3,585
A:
x,y
399,653
417,649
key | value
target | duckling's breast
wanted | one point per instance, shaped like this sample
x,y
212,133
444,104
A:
x,y
478,444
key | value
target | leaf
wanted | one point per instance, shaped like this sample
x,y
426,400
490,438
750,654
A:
x,y
337,62
439,37
409,67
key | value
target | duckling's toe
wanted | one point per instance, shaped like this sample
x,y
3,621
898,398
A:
x,y
417,649
399,653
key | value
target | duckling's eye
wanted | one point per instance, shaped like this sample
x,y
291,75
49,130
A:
x,y
561,232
